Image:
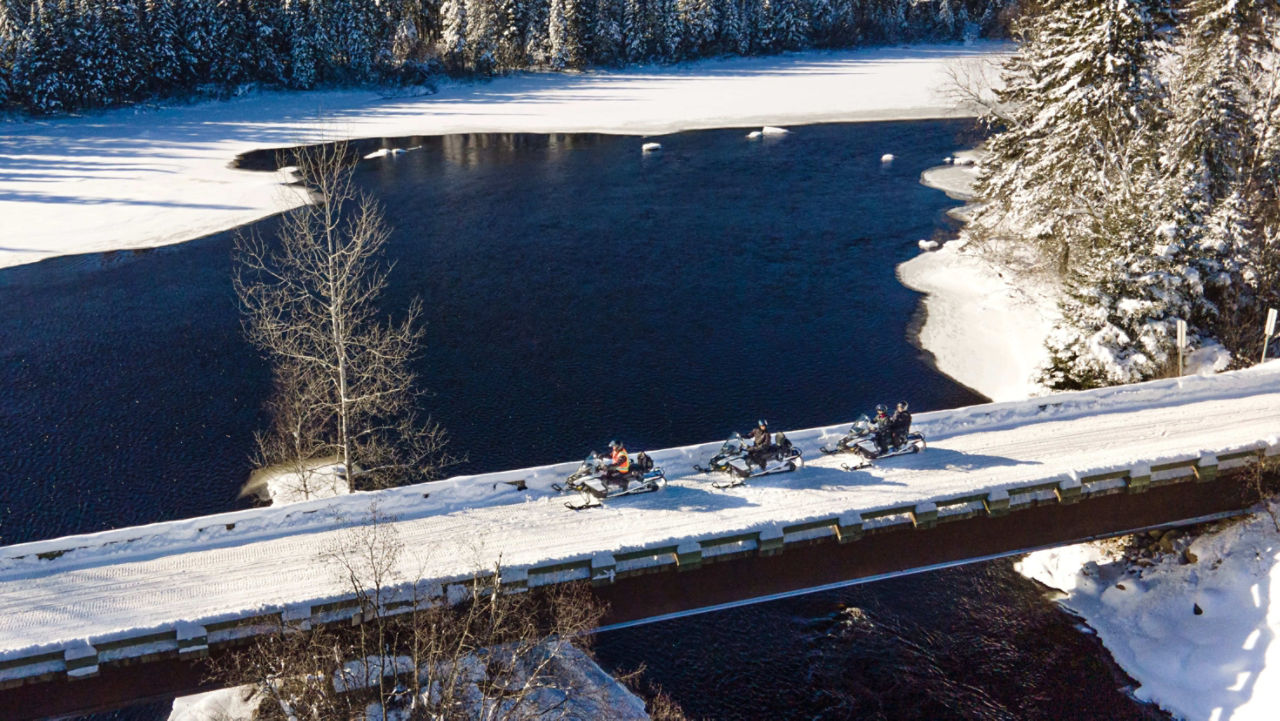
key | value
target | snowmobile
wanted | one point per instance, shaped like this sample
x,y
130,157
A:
x,y
740,461
869,452
861,430
589,481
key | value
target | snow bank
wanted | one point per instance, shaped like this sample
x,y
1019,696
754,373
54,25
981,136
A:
x,y
231,704
1202,638
983,329
142,177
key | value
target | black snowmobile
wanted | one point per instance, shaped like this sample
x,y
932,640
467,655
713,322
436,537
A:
x,y
589,481
866,448
741,461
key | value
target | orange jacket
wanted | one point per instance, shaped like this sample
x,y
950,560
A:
x,y
619,460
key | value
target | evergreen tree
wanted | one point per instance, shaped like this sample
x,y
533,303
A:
x,y
608,46
636,30
1078,95
268,43
164,74
665,21
1212,139
1122,299
45,58
229,42
482,35
697,20
537,45
8,41
731,36
304,55
453,33
510,50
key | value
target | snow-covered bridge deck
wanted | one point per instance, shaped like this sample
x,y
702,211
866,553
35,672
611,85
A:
x,y
74,606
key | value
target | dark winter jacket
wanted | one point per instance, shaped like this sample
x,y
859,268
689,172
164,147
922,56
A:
x,y
900,423
760,437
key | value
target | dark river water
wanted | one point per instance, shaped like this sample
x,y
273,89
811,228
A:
x,y
577,290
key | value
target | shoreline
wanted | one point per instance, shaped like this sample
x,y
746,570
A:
x,y
983,329
139,177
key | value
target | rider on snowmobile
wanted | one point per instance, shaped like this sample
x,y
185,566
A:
x,y
760,445
881,424
617,465
900,424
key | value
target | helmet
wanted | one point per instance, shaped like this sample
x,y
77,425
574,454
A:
x,y
902,405
881,408
762,423
614,444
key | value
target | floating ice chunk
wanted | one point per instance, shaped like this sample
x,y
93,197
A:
x,y
928,244
754,135
886,158
650,147
948,160
771,130
380,152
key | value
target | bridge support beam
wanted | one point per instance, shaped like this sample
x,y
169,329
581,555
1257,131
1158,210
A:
x,y
904,548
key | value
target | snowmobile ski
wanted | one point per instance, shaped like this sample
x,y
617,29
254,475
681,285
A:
x,y
914,444
742,462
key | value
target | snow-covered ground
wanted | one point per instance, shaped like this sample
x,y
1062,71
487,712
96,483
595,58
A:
x,y
1199,631
144,177
984,326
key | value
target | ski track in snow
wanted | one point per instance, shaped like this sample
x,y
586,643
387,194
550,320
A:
x,y
165,573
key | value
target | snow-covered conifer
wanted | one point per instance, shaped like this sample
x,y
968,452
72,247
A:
x,y
509,51
453,33
304,55
607,44
39,71
733,35
1077,94
1211,185
482,35
636,30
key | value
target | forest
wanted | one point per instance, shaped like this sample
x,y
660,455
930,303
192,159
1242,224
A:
x,y
60,56
1135,161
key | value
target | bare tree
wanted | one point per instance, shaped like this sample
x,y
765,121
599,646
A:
x,y
344,386
480,649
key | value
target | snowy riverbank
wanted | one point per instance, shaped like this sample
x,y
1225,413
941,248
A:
x,y
143,177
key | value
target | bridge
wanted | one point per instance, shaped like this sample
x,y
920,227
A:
x,y
100,620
